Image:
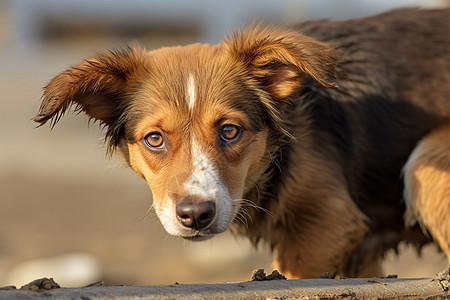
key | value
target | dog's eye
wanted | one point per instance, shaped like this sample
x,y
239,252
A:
x,y
154,140
230,132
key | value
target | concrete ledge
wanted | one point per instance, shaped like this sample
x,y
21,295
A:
x,y
374,288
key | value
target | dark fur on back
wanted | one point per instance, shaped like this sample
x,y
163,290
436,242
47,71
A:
x,y
393,81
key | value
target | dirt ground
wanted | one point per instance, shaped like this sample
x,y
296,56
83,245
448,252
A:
x,y
60,195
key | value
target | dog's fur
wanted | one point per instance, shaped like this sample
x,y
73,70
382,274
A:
x,y
326,120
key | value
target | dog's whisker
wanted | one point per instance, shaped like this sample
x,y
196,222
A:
x,y
247,219
251,204
274,161
186,244
257,191
167,237
243,220
111,168
147,213
238,218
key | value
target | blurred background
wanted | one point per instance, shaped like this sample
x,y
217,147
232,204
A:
x,y
69,212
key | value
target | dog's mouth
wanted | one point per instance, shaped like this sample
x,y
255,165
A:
x,y
202,234
198,237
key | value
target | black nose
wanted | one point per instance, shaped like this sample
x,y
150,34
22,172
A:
x,y
196,215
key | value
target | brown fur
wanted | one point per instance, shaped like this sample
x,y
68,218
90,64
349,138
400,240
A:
x,y
427,182
329,118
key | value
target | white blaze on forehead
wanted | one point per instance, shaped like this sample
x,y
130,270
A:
x,y
190,92
205,179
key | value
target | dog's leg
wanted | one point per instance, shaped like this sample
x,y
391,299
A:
x,y
427,186
298,260
333,228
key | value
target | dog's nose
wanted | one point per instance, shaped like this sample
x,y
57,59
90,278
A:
x,y
196,215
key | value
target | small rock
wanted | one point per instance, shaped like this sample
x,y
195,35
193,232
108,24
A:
x,y
258,275
275,276
41,285
443,278
98,283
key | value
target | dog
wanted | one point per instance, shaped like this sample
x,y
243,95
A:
x,y
329,141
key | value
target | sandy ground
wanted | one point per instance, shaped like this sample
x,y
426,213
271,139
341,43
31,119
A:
x,y
59,194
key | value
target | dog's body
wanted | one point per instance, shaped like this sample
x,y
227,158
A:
x,y
286,139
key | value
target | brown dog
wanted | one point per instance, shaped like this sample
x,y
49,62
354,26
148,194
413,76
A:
x,y
298,138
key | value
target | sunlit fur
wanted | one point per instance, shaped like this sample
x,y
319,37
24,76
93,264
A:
x,y
427,182
329,114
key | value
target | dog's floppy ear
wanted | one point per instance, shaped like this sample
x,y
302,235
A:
x,y
98,86
279,59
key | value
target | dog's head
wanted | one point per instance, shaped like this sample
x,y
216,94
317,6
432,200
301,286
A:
x,y
194,121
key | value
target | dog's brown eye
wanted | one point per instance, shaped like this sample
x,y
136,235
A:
x,y
230,132
154,140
